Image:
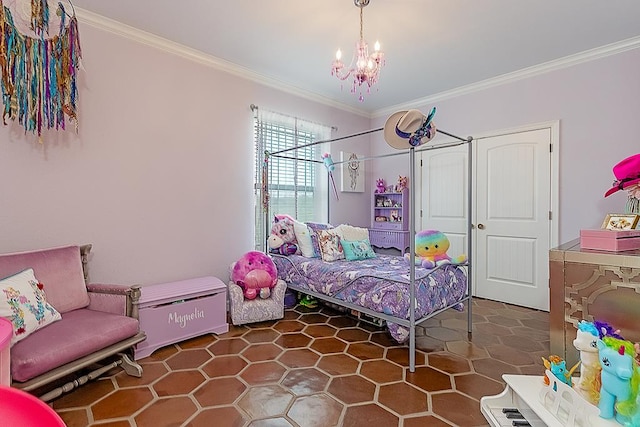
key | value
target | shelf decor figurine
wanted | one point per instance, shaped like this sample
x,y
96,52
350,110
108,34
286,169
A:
x,y
402,184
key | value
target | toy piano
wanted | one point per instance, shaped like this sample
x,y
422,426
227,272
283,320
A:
x,y
540,405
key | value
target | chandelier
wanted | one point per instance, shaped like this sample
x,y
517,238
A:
x,y
365,68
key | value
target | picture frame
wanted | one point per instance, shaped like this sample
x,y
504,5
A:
x,y
617,222
352,173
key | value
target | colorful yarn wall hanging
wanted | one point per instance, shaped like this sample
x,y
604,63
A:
x,y
39,16
39,70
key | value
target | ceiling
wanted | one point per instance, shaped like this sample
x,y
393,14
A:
x,y
431,47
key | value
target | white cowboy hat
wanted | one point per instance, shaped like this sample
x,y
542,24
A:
x,y
406,129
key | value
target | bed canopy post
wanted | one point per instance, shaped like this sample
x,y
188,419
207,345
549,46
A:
x,y
469,230
412,256
328,198
264,190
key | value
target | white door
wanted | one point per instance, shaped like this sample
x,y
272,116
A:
x,y
511,209
444,198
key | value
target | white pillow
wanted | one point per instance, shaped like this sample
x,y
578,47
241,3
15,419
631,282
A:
x,y
351,233
24,303
303,236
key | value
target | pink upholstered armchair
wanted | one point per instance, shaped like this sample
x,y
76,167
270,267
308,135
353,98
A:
x,y
97,323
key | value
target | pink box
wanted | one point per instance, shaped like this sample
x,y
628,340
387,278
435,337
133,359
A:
x,y
175,311
610,240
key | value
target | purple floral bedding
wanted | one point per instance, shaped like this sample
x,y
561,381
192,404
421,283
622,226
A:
x,y
380,284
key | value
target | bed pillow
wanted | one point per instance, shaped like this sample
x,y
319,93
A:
x,y
352,233
303,236
357,250
24,303
330,247
314,227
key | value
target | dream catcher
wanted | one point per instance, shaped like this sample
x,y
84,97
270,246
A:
x,y
39,58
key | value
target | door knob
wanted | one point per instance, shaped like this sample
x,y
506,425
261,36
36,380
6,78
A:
x,y
480,226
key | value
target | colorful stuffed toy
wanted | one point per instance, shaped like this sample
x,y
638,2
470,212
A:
x,y
431,250
256,274
282,239
381,186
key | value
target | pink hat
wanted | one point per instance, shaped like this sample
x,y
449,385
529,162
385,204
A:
x,y
627,173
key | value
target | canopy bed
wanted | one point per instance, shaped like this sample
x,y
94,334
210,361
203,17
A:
x,y
392,288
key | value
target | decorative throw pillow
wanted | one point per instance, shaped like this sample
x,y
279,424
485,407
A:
x,y
314,227
356,250
24,303
352,233
330,248
303,236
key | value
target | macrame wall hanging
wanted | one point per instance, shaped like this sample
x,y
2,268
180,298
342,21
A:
x,y
39,58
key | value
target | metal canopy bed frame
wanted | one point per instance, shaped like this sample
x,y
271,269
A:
x,y
411,322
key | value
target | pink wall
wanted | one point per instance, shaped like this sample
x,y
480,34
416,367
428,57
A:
x,y
159,177
598,106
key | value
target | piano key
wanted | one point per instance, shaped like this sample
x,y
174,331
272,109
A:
x,y
515,415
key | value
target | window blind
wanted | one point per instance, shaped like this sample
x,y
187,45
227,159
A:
x,y
297,181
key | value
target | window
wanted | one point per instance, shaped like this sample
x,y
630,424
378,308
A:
x,y
296,179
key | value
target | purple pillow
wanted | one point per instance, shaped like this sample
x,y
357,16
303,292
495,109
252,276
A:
x,y
314,227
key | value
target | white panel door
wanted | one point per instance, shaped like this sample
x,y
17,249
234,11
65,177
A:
x,y
511,237
512,218
444,198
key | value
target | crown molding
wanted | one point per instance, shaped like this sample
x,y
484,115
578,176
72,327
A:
x,y
152,40
558,64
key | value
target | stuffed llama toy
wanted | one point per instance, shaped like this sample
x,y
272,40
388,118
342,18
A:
x,y
402,184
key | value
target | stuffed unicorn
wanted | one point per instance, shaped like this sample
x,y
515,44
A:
x,y
282,239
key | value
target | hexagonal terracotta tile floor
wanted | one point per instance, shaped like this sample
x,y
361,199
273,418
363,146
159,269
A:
x,y
318,367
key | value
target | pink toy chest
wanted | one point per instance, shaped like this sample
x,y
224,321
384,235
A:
x,y
175,311
610,240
